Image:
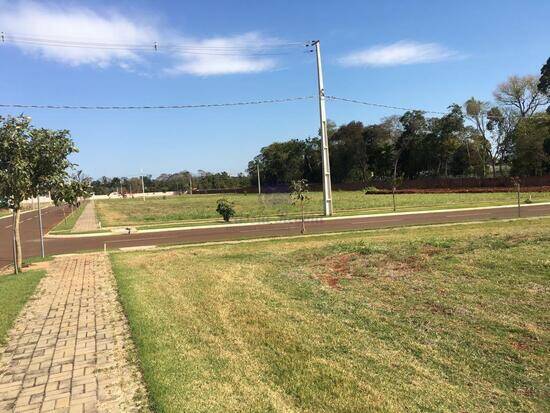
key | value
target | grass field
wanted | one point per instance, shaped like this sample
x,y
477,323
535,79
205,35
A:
x,y
451,318
15,290
183,209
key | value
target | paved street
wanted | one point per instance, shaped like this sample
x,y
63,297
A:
x,y
31,245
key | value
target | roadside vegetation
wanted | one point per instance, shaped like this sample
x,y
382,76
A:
x,y
15,290
67,224
451,318
186,209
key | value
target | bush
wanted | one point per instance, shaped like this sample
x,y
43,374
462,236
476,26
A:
x,y
225,209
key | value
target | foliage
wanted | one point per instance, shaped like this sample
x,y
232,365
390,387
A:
x,y
225,209
544,81
71,191
531,142
32,162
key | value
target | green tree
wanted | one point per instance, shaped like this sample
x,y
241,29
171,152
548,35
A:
x,y
531,146
225,209
32,162
300,195
544,81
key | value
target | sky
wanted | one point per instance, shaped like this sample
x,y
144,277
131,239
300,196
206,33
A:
x,y
413,54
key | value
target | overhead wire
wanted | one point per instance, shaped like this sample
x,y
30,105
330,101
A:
x,y
189,48
380,105
185,106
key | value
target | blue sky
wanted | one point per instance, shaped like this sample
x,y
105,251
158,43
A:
x,y
424,54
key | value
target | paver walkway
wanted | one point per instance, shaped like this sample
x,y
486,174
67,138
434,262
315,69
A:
x,y
87,221
69,349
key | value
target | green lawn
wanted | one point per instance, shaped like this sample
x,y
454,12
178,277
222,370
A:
x,y
15,290
187,209
446,319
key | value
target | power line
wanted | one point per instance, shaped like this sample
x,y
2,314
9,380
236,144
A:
x,y
205,105
379,105
189,48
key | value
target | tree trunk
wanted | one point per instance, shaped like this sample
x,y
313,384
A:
x,y
303,230
393,197
493,164
17,237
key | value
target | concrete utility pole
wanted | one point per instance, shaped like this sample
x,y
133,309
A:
x,y
40,225
259,185
327,187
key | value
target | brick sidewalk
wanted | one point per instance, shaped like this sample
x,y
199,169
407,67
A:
x,y
68,348
87,221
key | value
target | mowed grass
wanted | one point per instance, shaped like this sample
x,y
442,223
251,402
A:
x,y
15,290
447,319
185,208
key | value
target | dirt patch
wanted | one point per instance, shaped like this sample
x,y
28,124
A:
x,y
335,268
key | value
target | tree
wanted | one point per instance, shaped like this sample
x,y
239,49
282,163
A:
x,y
521,93
544,81
477,112
299,195
225,209
531,146
32,161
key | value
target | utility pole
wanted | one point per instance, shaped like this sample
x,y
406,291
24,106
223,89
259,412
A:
x,y
190,184
40,225
327,187
259,184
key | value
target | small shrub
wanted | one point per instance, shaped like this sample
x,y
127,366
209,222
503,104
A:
x,y
225,209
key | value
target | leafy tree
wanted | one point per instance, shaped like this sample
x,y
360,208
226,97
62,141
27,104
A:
x,y
32,162
531,146
544,81
521,93
71,191
299,195
225,209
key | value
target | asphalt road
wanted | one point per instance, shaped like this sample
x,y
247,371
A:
x,y
53,215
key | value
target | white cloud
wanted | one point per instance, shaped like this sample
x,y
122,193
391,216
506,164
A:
x,y
225,55
75,24
399,53
80,24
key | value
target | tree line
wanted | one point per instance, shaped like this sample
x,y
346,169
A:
x,y
475,139
510,136
181,182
